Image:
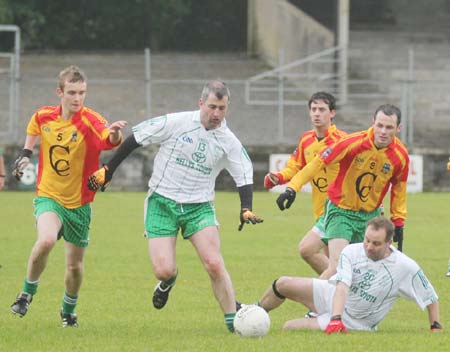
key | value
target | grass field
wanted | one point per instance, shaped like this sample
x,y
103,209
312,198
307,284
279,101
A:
x,y
115,309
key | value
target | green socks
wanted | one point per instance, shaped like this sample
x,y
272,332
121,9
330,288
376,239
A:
x,y
229,319
68,303
30,286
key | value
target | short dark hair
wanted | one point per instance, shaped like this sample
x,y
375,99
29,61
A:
x,y
218,88
380,222
328,98
389,110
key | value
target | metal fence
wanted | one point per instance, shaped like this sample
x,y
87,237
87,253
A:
x,y
424,103
122,86
120,89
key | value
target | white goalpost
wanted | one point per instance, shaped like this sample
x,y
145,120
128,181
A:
x,y
9,86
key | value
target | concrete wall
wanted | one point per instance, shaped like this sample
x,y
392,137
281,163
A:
x,y
277,24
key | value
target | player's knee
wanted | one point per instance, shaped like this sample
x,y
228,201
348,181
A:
x,y
279,286
214,266
305,251
164,273
75,268
46,243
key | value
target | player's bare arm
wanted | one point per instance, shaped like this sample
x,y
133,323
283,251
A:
x,y
115,134
433,317
339,299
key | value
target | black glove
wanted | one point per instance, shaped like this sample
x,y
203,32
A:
x,y
286,199
398,237
100,179
21,163
247,216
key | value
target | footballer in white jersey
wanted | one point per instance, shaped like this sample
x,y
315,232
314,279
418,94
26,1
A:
x,y
194,146
370,277
190,157
375,285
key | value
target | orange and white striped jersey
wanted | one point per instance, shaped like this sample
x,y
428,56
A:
x,y
365,174
69,153
308,147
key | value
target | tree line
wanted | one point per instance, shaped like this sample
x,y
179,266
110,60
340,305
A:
x,y
162,25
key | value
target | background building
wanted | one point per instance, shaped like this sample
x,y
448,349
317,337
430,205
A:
x,y
394,51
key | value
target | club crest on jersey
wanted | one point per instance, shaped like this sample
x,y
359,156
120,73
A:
x,y
46,129
326,153
74,136
386,168
199,157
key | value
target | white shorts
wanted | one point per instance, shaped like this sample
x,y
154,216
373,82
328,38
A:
x,y
323,293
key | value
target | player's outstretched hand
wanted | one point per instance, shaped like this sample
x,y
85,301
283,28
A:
x,y
100,179
436,327
335,325
21,163
247,216
286,199
448,164
271,180
117,126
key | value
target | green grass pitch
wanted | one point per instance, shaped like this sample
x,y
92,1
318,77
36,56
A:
x,y
115,309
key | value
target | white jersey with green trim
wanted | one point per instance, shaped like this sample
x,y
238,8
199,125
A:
x,y
190,157
375,285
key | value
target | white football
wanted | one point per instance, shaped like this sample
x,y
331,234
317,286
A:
x,y
251,321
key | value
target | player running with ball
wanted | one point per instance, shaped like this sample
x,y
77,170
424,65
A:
x,y
194,147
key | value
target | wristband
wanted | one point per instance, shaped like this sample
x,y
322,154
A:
x,y
3,176
436,325
336,317
26,152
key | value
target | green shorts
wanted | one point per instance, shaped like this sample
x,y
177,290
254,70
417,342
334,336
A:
x,y
164,217
347,224
319,226
75,222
